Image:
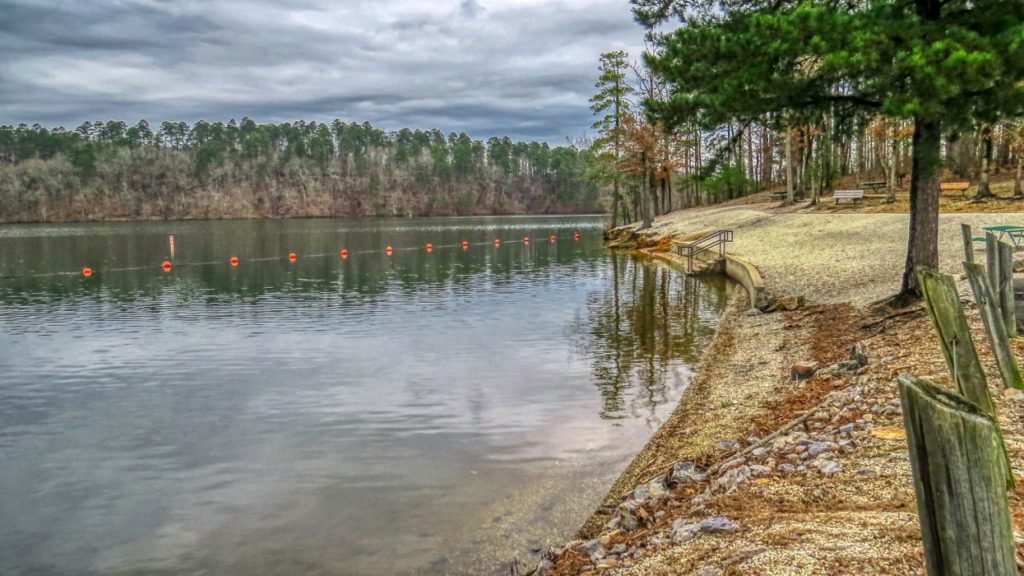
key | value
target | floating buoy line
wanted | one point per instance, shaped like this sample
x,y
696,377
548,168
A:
x,y
168,265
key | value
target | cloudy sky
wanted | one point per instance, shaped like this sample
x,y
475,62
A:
x,y
522,68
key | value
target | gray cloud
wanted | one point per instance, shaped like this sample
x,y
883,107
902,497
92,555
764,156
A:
x,y
523,68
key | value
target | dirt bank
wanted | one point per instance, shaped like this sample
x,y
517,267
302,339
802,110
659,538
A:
x,y
785,476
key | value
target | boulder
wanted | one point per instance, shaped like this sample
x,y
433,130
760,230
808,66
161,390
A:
x,y
788,303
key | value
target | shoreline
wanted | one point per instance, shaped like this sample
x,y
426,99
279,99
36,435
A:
x,y
760,470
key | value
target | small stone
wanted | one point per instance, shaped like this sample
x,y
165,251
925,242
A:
x,y
729,445
786,468
685,473
731,480
803,370
848,366
591,546
757,470
754,312
859,352
760,452
708,571
618,549
656,489
788,303
816,448
846,428
718,524
828,466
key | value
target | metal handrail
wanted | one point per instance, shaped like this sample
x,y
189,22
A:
x,y
716,239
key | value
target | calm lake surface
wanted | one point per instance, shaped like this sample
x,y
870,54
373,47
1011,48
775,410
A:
x,y
417,413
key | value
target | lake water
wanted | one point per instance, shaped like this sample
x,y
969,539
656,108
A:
x,y
419,413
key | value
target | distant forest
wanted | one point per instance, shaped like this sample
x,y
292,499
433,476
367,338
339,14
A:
x,y
113,170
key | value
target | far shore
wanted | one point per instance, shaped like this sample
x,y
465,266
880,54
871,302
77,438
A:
x,y
810,475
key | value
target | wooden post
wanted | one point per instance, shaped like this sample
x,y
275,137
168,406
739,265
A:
x,y
943,304
965,230
992,258
992,317
1006,288
961,476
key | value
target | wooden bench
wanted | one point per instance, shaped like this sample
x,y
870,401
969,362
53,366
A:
x,y
955,187
779,195
848,195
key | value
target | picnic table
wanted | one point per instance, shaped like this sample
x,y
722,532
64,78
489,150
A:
x,y
874,184
1013,233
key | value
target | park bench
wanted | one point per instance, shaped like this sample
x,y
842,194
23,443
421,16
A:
x,y
848,195
779,195
873,185
955,187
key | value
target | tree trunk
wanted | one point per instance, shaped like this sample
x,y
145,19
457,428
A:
x,y
984,189
923,242
892,167
790,188
1018,189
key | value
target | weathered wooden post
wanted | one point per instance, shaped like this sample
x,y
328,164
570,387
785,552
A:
x,y
992,256
961,476
943,304
965,231
992,317
1006,288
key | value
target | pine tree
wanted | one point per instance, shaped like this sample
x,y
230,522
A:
x,y
612,102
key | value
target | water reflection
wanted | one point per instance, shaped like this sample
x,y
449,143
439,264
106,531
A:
x,y
643,331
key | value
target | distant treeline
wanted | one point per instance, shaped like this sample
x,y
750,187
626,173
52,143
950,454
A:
x,y
112,170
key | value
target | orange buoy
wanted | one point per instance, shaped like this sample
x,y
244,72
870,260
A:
x,y
576,236
389,250
234,261
430,248
526,239
293,256
552,238
465,245
497,242
344,253
167,266
86,271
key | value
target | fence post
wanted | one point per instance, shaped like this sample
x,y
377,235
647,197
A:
x,y
961,476
965,230
943,304
1005,288
995,328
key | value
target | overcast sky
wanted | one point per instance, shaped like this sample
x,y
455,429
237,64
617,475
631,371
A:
x,y
522,68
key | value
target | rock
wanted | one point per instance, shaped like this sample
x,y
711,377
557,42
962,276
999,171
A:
x,y
786,468
760,452
846,429
685,473
591,546
729,445
754,312
816,448
859,352
788,303
848,366
708,571
828,466
733,478
757,470
702,498
656,489
718,524
803,370
618,549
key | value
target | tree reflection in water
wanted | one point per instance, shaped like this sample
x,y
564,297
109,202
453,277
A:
x,y
644,332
